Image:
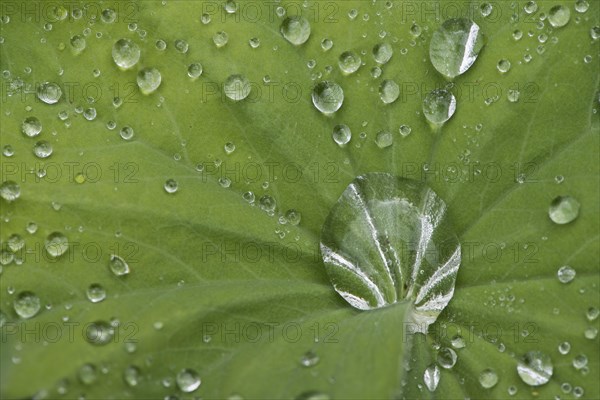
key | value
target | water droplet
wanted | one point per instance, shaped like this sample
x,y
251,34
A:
x,y
194,70
8,150
592,313
148,80
295,30
249,197
181,46
293,217
42,149
95,293
99,333
566,274
125,53
10,190
559,16
530,7
361,244
563,209
349,62
131,376
49,92
535,368
31,227
458,342
439,106
488,378
267,204
455,46
126,133
431,377
405,130
384,139
188,380
389,91
87,374
486,9
415,30
503,65
590,333
513,95
580,361
327,97
581,6
237,87
160,45
78,43
16,242
341,134
564,348
578,391
229,147
118,265
326,44
595,32
57,244
220,39
446,357
382,53
309,359
27,304
90,114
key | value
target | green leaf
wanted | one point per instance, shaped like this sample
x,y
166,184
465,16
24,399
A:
x,y
221,287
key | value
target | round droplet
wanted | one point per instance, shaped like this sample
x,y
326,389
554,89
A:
x,y
220,39
237,87
486,9
254,42
249,197
57,244
446,357
181,46
78,43
125,53
49,92
295,30
488,378
126,133
194,70
591,313
503,65
188,380
42,149
31,126
27,304
349,62
405,130
148,80
595,32
10,190
439,106
559,16
16,242
99,333
326,44
384,139
530,7
341,134
309,359
87,374
458,342
131,376
118,265
382,53
171,186
564,348
95,293
160,45
580,361
535,368
389,91
327,97
229,147
431,377
566,274
513,95
512,390
293,217
267,203
564,209
455,46
377,219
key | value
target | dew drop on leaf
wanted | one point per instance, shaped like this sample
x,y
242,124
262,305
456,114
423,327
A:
x,y
327,97
564,348
559,16
188,380
194,70
439,106
488,378
148,80
237,87
309,359
56,244
384,139
49,92
389,91
131,376
446,357
95,293
349,62
564,209
387,240
27,304
382,53
455,46
10,190
99,333
341,134
295,30
171,186
125,53
535,368
87,374
566,274
431,377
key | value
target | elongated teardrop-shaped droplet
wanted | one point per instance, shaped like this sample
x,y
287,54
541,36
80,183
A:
x,y
387,240
455,46
535,368
431,377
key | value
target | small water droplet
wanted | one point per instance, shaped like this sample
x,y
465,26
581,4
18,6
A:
x,y
580,361
389,91
87,374
126,133
327,97
237,87
446,357
503,65
592,313
293,217
125,53
181,46
99,333
49,92
488,378
194,70
326,44
563,209
27,304
384,139
267,204
56,244
309,359
349,62
564,348
42,149
10,190
439,106
188,380
341,134
431,377
118,265
95,293
382,53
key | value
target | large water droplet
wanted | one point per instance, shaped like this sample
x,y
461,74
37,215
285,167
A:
x,y
341,134
488,378
328,97
387,240
31,126
99,333
439,106
535,368
349,62
382,53
95,293
295,30
559,16
563,209
384,139
566,274
188,380
455,46
125,53
49,92
237,87
431,377
27,304
10,190
42,149
148,80
389,91
57,244
118,265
